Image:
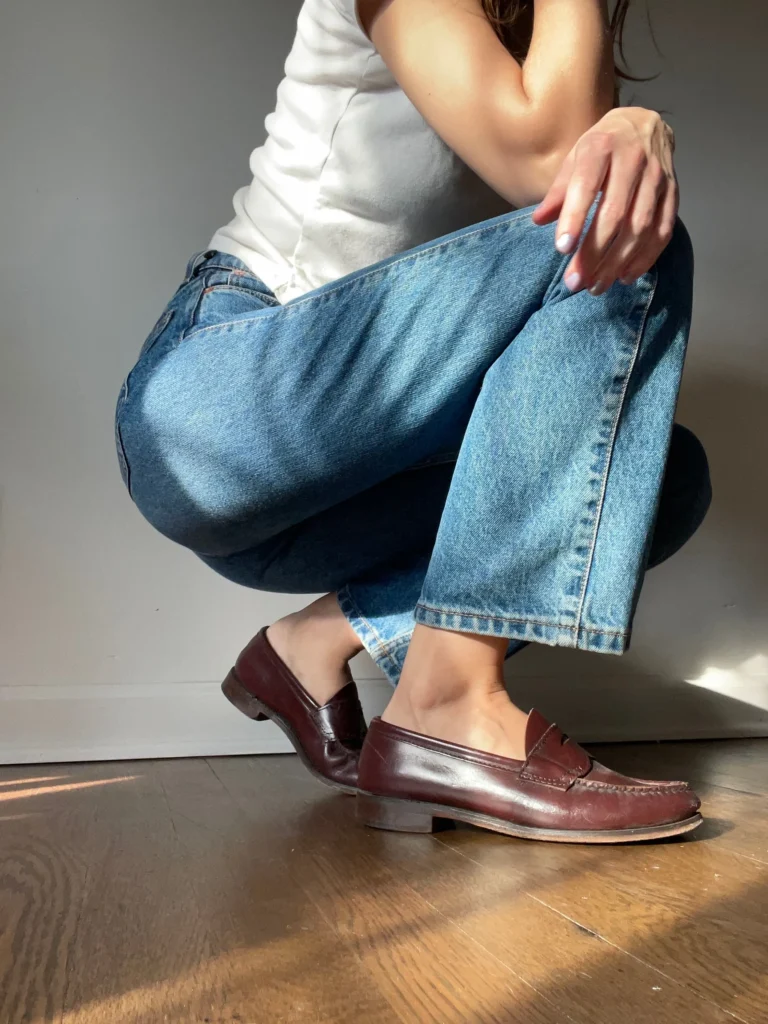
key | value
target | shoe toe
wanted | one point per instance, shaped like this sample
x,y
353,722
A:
x,y
640,803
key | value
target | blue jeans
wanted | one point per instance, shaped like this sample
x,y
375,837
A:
x,y
448,436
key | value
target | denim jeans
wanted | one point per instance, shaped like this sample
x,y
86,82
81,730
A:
x,y
448,436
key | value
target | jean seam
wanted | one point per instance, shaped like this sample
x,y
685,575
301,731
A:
x,y
231,286
122,458
589,563
506,221
525,621
157,331
399,641
188,332
378,647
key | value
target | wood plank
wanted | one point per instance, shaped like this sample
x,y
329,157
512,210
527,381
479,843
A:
x,y
589,978
141,947
141,892
45,817
428,969
563,964
276,957
699,930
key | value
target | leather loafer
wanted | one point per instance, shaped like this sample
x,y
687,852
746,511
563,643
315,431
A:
x,y
326,737
413,783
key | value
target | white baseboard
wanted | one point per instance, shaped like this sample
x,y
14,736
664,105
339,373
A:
x,y
45,724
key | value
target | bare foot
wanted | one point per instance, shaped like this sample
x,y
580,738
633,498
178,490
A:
x,y
317,644
452,688
490,722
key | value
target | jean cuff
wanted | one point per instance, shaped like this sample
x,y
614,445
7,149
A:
x,y
388,654
555,634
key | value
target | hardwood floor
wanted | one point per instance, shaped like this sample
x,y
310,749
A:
x,y
241,890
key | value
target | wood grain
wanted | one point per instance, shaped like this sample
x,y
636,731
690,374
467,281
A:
x,y
240,890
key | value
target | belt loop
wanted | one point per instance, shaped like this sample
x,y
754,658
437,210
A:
x,y
197,261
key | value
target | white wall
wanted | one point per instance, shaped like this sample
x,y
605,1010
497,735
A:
x,y
125,129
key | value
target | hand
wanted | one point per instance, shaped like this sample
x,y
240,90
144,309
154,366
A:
x,y
627,154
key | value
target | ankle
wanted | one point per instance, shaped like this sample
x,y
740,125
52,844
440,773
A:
x,y
320,627
428,694
481,718
317,644
452,688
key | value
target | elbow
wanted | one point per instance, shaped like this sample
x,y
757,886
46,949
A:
x,y
530,174
526,144
533,143
545,167
531,152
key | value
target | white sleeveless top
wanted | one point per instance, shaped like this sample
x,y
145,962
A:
x,y
350,172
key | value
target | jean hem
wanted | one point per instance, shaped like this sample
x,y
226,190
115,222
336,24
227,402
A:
x,y
553,634
379,649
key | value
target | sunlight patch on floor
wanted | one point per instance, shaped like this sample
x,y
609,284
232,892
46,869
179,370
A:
x,y
31,782
22,794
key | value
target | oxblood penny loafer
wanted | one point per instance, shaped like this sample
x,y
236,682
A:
x,y
326,737
411,783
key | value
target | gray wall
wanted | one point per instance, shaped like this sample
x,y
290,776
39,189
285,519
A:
x,y
125,129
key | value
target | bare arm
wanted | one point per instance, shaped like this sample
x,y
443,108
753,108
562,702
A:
x,y
513,125
544,132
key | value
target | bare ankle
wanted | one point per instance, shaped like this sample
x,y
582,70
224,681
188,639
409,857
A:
x,y
317,644
445,667
452,688
323,626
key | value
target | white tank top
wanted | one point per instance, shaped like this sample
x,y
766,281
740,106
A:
x,y
350,172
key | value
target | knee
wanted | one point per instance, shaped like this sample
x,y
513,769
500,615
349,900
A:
x,y
180,481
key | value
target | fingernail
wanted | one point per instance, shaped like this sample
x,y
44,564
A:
x,y
573,281
564,243
597,288
626,280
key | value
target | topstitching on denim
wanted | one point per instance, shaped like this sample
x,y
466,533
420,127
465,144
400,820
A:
x,y
619,407
368,274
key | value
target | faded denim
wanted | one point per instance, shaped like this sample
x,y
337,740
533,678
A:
x,y
448,436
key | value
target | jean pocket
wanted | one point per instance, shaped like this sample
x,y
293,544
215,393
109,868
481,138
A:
x,y
220,303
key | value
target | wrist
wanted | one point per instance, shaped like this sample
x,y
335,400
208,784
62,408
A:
x,y
639,119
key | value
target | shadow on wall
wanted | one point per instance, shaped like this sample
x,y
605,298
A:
x,y
702,615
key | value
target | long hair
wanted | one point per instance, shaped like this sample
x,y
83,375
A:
x,y
513,23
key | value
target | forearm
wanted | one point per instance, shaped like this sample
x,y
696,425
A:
x,y
513,125
568,78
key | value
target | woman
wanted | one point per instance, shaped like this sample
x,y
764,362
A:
x,y
430,368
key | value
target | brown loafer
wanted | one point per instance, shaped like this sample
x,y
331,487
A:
x,y
327,738
411,783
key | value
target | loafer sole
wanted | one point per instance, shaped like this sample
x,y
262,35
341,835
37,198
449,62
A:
x,y
256,709
398,815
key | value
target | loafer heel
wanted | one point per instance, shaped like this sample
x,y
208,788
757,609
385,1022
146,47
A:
x,y
244,701
326,737
396,815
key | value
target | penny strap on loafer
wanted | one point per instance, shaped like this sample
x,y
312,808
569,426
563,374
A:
x,y
553,758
